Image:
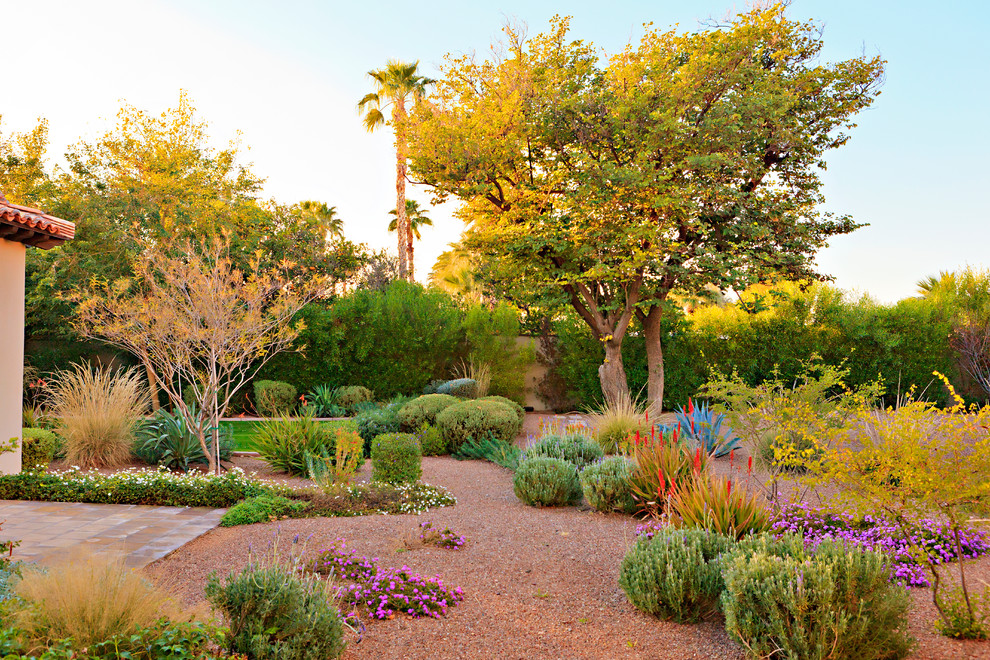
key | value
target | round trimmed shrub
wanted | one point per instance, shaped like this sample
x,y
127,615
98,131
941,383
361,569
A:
x,y
477,419
676,574
466,388
396,458
546,482
373,423
424,410
431,441
606,487
575,448
837,604
273,397
520,411
349,396
38,448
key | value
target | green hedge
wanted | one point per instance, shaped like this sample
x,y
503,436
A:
x,y
477,420
424,410
904,343
396,458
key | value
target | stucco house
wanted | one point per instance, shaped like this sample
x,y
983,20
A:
x,y
20,227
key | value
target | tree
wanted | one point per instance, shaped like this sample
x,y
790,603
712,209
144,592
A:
x,y
397,83
198,323
325,215
416,217
454,272
690,160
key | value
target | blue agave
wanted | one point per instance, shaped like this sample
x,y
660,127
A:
x,y
700,424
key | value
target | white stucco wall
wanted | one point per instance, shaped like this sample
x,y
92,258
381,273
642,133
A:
x,y
11,349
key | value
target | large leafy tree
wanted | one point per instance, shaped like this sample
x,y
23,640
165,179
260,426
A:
x,y
395,85
689,160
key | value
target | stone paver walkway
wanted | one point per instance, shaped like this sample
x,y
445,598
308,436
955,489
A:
x,y
54,531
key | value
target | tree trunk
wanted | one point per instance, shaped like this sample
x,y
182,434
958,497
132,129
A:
x,y
152,385
409,253
654,357
612,373
402,220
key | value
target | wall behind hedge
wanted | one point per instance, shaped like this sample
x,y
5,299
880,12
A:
x,y
903,343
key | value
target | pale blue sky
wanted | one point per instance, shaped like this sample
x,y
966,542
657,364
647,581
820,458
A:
x,y
287,75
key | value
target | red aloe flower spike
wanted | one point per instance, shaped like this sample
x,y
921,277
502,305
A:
x,y
663,482
647,415
697,459
749,469
637,436
690,406
728,487
732,458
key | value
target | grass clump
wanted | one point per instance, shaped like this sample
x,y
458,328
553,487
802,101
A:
x,y
396,458
616,422
99,410
546,482
284,443
605,484
264,508
491,449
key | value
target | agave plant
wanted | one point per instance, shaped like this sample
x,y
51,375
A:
x,y
322,402
169,440
702,425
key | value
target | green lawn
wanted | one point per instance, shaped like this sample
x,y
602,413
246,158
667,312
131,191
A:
x,y
244,430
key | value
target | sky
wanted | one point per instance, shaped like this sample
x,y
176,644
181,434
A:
x,y
285,78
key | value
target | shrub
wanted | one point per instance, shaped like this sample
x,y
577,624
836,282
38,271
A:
x,y
958,621
476,419
154,487
170,441
605,484
546,482
349,396
326,470
489,448
837,604
431,441
424,410
663,465
38,447
617,422
276,613
466,388
374,423
577,449
322,402
284,443
432,386
711,503
273,397
99,411
396,458
263,508
675,575
90,601
520,411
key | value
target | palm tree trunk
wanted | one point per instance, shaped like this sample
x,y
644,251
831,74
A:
x,y
402,220
409,253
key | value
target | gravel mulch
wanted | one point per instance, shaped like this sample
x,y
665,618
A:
x,y
538,583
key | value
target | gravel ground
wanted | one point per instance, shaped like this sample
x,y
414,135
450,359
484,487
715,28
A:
x,y
538,583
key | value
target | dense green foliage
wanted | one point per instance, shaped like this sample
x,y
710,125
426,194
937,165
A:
x,y
263,508
166,639
903,343
431,440
575,448
396,458
605,485
38,447
157,488
373,423
546,482
520,411
283,443
839,604
465,388
424,410
675,574
274,613
274,397
350,396
490,448
478,419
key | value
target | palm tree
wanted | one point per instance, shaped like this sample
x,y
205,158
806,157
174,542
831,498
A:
x,y
417,218
394,85
454,272
325,215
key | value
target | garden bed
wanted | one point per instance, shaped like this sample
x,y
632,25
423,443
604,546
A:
x,y
537,582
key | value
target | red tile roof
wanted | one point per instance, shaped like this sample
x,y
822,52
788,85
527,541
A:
x,y
24,224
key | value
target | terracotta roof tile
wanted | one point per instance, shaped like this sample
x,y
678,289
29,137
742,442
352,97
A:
x,y
24,224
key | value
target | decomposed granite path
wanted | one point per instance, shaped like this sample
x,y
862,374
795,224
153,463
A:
x,y
55,531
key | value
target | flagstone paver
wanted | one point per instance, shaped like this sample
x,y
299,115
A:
x,y
54,531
